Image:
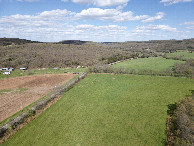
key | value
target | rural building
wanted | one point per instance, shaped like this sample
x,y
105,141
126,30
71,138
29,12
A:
x,y
5,69
23,68
7,73
11,69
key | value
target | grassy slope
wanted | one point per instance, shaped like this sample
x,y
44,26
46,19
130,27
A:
x,y
108,110
152,63
183,54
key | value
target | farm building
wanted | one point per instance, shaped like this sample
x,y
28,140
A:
x,y
7,73
7,69
23,68
10,69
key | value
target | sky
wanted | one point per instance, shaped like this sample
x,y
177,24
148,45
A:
x,y
97,20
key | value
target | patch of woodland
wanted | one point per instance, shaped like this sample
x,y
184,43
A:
x,y
181,123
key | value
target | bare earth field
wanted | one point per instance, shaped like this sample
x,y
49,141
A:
x,y
34,87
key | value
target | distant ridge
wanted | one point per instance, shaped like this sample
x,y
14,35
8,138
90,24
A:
x,y
15,41
75,42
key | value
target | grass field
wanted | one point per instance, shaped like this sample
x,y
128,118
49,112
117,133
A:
x,y
108,110
182,54
157,64
18,73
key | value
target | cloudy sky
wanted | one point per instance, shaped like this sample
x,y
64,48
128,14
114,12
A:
x,y
97,20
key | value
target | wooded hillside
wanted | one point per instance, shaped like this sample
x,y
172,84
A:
x,y
24,53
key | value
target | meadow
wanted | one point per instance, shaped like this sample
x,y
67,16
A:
x,y
157,64
184,54
41,71
107,109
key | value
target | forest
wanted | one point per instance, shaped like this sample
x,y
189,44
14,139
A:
x,y
72,53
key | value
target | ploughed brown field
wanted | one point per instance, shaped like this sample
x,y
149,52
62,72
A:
x,y
26,90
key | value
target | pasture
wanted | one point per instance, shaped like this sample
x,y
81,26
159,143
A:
x,y
181,53
41,71
157,64
107,109
17,93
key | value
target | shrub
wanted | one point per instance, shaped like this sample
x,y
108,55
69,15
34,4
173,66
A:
x,y
184,69
183,122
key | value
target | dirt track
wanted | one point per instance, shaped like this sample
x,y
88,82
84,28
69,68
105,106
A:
x,y
36,87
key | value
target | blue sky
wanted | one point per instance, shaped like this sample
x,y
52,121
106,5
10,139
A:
x,y
97,20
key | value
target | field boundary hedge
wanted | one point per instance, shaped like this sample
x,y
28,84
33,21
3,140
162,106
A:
x,y
18,120
180,123
122,70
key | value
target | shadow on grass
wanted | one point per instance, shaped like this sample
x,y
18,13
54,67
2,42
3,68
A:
x,y
192,92
171,108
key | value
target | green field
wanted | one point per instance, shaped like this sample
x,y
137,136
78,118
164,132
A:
x,y
18,73
157,64
182,54
108,110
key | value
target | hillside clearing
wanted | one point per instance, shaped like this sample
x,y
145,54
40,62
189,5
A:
x,y
157,64
108,110
181,54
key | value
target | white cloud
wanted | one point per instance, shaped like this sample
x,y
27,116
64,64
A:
x,y
60,32
64,16
44,18
158,16
107,27
190,25
120,7
171,2
153,28
59,24
101,3
91,13
115,15
56,14
54,26
155,32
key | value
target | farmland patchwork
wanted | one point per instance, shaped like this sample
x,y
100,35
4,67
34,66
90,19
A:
x,y
108,110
